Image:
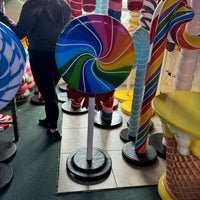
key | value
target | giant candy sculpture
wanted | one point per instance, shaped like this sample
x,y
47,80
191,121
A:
x,y
95,63
169,16
12,61
189,58
172,18
141,40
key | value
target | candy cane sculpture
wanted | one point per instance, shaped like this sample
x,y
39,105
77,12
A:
x,y
142,58
173,17
142,43
189,58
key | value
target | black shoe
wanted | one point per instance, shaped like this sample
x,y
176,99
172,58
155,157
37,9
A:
x,y
43,122
55,135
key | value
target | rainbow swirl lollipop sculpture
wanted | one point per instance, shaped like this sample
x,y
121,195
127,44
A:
x,y
90,56
94,55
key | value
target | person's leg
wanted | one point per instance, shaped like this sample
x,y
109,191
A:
x,y
46,76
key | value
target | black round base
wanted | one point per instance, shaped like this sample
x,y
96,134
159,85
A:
x,y
66,108
87,172
125,137
114,122
36,101
150,127
142,160
115,104
62,97
6,175
63,87
155,141
7,150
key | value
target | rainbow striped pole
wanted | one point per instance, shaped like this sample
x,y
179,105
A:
x,y
169,12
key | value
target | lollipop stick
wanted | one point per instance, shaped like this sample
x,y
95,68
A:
x,y
90,128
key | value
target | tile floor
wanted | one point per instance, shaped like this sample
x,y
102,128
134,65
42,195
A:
x,y
74,136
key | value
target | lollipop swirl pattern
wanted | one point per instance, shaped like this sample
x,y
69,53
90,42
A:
x,y
14,72
12,60
90,57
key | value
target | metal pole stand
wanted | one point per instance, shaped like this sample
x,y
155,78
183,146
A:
x,y
89,165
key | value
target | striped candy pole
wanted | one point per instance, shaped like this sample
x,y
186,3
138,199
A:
x,y
185,74
163,22
133,21
98,7
76,6
89,5
141,40
147,11
114,9
104,7
135,7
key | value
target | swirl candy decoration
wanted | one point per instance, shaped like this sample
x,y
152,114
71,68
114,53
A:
x,y
12,65
114,8
89,5
146,13
168,12
90,57
76,6
10,37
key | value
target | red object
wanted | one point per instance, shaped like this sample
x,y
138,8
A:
x,y
6,118
135,5
76,6
22,87
74,94
89,5
76,103
109,102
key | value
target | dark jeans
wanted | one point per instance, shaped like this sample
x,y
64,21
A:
x,y
46,76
